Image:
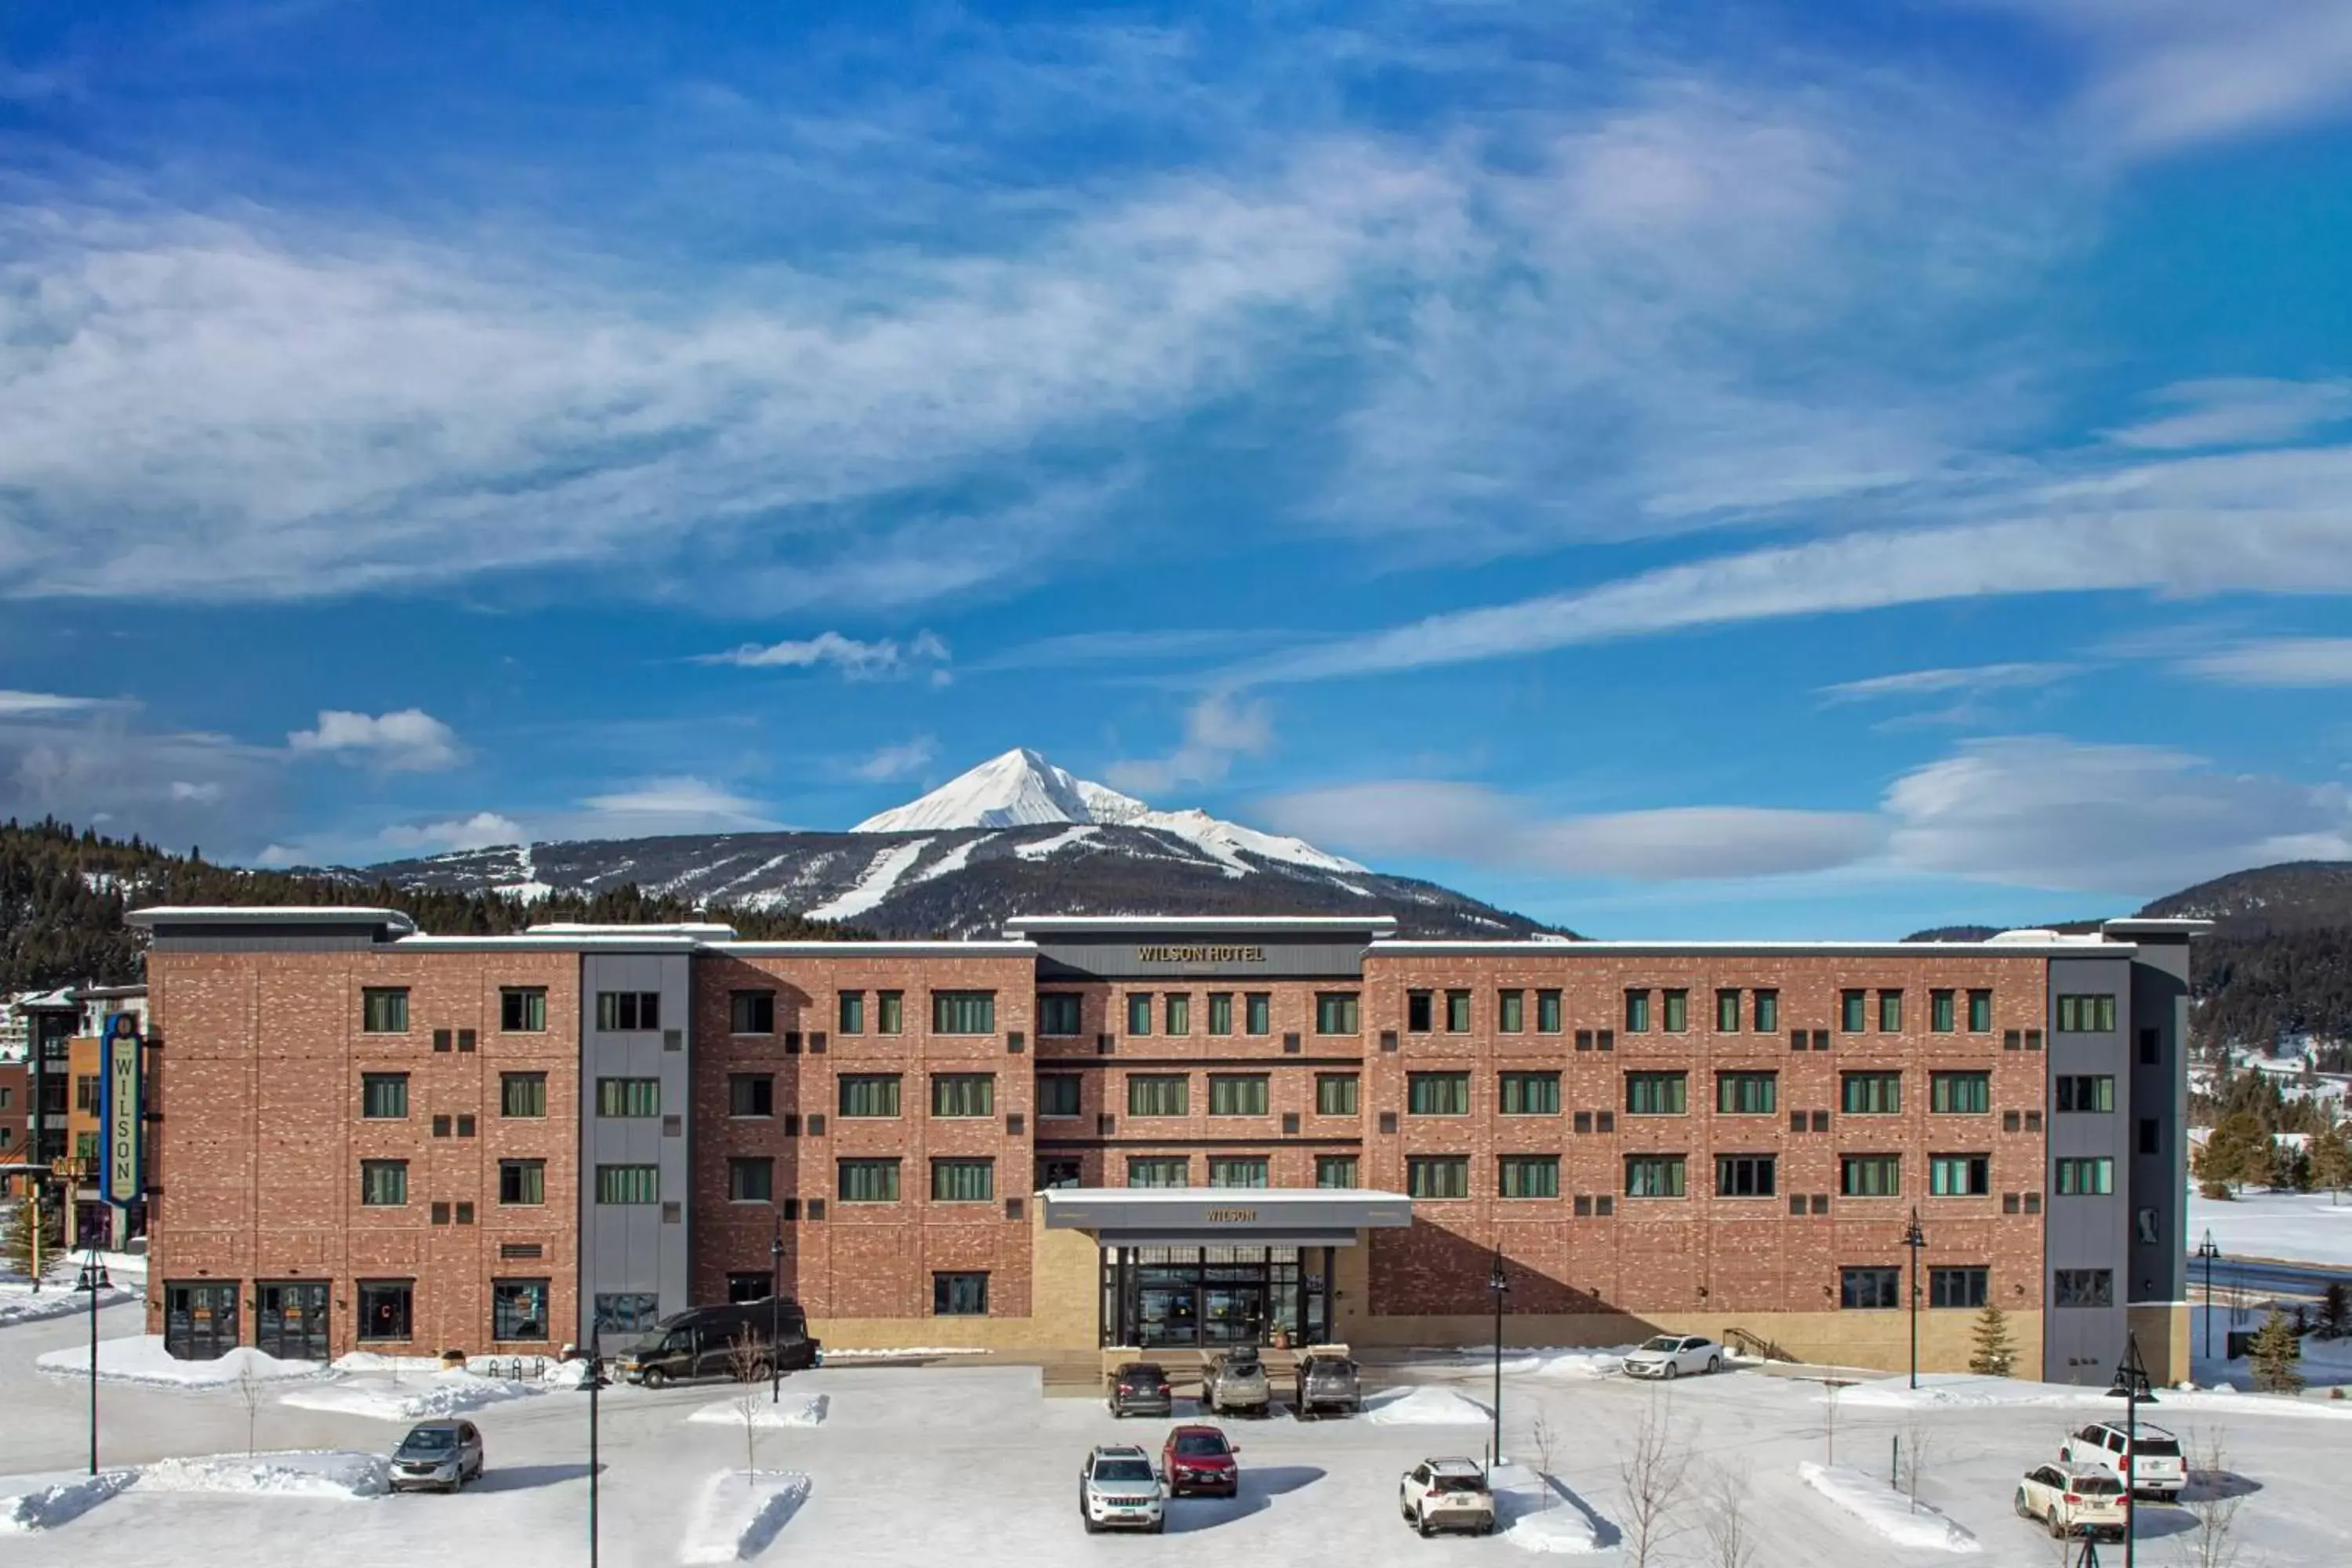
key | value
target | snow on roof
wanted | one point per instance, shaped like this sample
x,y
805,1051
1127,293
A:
x,y
1200,922
269,914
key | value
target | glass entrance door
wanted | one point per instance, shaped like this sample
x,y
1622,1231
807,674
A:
x,y
289,1319
1232,1314
200,1320
1168,1315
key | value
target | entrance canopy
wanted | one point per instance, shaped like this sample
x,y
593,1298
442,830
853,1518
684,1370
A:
x,y
1222,1216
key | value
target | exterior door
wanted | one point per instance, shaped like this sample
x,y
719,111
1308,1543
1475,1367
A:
x,y
1232,1314
200,1320
289,1319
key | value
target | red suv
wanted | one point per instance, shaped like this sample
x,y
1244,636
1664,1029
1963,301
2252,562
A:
x,y
1200,1459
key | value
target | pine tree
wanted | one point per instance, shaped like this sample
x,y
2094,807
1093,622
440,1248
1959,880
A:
x,y
2331,1162
2274,1353
1995,1353
2238,1152
2336,1312
17,1246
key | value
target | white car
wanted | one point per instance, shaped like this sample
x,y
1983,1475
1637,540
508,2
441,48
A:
x,y
2155,1469
2075,1500
1671,1355
1447,1494
1119,1489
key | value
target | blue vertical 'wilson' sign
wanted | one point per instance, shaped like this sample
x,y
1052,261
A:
x,y
121,1060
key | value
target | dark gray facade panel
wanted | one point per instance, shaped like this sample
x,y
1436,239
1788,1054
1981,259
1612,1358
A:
x,y
629,1248
2159,1094
2082,1344
1222,955
246,938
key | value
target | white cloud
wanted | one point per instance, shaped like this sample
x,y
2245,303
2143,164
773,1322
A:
x,y
475,831
408,741
889,763
2239,412
46,705
1968,678
2276,661
677,804
205,793
856,660
93,764
1217,728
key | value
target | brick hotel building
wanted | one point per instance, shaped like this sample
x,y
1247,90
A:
x,y
1163,1133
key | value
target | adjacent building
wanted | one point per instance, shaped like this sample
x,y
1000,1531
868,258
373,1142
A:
x,y
1165,1133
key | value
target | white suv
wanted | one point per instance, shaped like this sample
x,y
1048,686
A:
x,y
2075,1500
2153,1469
1119,1489
1447,1494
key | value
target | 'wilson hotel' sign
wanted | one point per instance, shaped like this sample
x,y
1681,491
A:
x,y
1276,954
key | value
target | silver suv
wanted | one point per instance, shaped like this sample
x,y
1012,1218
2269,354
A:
x,y
1447,1494
1235,1382
1119,1489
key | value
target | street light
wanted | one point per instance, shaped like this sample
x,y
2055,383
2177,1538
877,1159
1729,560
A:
x,y
1915,1239
775,1306
93,1279
2207,1251
2131,1386
1498,1282
595,1383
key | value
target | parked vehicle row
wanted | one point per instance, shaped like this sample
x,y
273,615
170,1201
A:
x,y
1237,1382
2100,1472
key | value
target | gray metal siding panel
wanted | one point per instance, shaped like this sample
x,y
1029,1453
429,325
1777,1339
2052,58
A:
x,y
2082,1344
628,1248
2160,1093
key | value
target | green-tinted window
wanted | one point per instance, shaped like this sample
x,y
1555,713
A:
x,y
1058,1013
384,1010
1457,1012
1677,1011
1959,1093
1726,1012
751,1179
963,1012
1890,1012
1437,1176
1178,1013
1871,1175
384,1183
1746,1176
1657,1093
2087,1014
963,1094
1871,1093
1637,1012
1511,1012
1221,1012
1437,1093
1530,1094
1655,1176
869,1094
1157,1172
1335,1170
1960,1175
2085,1092
752,1012
1258,1012
522,1182
1768,1011
1980,1012
1335,1094
1155,1094
1530,1176
1237,1094
851,1013
628,1183
628,1097
628,1011
2086,1178
1057,1094
1138,1012
1336,1012
1941,1016
383,1096
1853,1010
890,1012
1747,1093
1548,1013
866,1181
522,1094
1246,1171
964,1180
522,1010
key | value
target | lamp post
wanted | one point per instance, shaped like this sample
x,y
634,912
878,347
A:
x,y
1498,1282
595,1383
775,1306
2207,1252
2131,1386
1915,1239
93,1279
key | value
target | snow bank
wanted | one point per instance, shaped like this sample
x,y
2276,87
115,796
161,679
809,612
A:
x,y
1567,1363
740,1513
418,1399
56,1299
1533,1516
1424,1406
311,1473
49,1507
829,1355
1963,1391
140,1359
791,1413
1887,1510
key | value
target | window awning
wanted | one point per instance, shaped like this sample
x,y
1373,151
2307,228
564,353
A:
x,y
1224,1216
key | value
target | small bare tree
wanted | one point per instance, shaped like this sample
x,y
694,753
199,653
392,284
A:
x,y
249,1389
747,1363
1730,1533
1917,1445
1829,1422
1544,1439
1654,1469
2212,1503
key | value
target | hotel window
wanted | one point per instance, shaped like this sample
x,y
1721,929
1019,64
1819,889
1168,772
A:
x,y
1959,1093
522,1009
1890,1012
383,1096
1871,1093
2086,1092
1257,1009
890,1012
1336,1012
384,1309
1958,1287
866,1181
1437,1093
1437,1176
1335,1094
851,1013
1653,1176
1335,1170
517,1308
1058,1013
960,1295
1221,1012
751,1180
752,1012
1529,1176
963,1012
1548,1020
751,1094
1980,1012
1157,1172
868,1094
2087,1014
1637,1012
1155,1094
522,1094
628,1183
1418,1017
634,1312
384,1183
1747,1094
2085,1286
1853,1010
1677,1011
1457,1013
1657,1093
1138,1012
628,1012
1529,1094
1960,1175
963,1094
85,1094
384,1010
1767,1013
1941,1016
1056,1174
1870,1175
1057,1094
1745,1177
628,1097
1511,1012
522,1182
1726,1012
1237,1172
964,1180
2086,1178
1237,1094
1870,1289
1178,1013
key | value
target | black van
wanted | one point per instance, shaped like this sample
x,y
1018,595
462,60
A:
x,y
701,1342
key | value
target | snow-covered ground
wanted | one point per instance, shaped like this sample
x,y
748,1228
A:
x,y
970,1465
140,1358
2299,1227
56,1298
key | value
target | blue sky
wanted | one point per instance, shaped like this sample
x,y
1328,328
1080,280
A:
x,y
1674,470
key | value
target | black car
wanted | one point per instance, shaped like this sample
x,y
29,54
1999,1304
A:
x,y
731,1340
1140,1388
